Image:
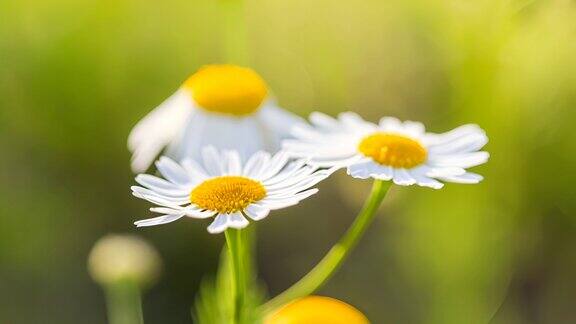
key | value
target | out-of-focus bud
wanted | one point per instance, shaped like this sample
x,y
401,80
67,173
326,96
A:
x,y
116,258
317,310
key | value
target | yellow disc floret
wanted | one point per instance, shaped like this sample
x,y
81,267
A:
x,y
227,89
393,150
227,194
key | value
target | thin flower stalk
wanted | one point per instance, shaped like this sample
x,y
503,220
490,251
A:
x,y
324,270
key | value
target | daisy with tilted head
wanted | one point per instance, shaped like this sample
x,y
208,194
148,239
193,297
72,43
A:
x,y
223,188
402,152
390,150
225,106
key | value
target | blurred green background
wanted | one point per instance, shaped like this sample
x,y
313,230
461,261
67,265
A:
x,y
76,75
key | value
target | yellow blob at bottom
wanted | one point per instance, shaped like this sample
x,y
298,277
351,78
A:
x,y
317,310
227,89
227,194
393,150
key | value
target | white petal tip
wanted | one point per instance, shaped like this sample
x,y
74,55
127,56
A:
x,y
404,183
435,187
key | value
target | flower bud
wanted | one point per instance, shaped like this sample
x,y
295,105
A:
x,y
115,258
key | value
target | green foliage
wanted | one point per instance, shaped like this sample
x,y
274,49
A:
x,y
215,299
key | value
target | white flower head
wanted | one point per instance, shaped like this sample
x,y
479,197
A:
x,y
225,106
225,189
391,150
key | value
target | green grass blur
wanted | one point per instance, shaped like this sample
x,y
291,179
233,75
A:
x,y
76,75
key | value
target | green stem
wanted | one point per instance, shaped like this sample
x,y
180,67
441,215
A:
x,y
123,303
332,261
238,253
249,241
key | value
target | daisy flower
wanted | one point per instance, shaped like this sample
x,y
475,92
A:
x,y
391,150
225,106
225,189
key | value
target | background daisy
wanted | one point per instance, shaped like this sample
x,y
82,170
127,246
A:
x,y
225,189
226,106
391,150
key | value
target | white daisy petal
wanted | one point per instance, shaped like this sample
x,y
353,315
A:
x,y
414,129
237,220
277,162
195,171
142,156
200,214
245,135
345,151
219,224
299,196
324,121
190,140
147,193
279,204
256,163
305,132
466,160
186,211
172,196
156,201
296,177
369,169
212,161
257,212
462,131
384,173
158,220
327,159
158,184
390,124
353,121
292,169
468,143
166,210
361,170
172,171
278,119
403,177
425,181
468,177
302,183
340,163
233,162
283,202
158,129
434,171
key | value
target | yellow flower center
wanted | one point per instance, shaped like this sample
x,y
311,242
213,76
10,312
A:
x,y
227,194
317,310
393,150
227,89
